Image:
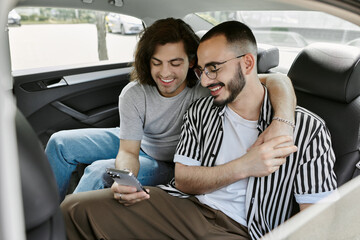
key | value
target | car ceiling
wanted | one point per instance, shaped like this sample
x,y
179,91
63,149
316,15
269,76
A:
x,y
150,10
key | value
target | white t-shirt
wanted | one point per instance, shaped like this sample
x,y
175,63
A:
x,y
155,120
239,135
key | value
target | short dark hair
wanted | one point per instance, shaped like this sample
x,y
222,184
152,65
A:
x,y
238,35
161,32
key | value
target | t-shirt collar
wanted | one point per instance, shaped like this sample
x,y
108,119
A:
x,y
266,112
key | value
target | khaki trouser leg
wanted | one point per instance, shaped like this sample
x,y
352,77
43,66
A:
x,y
96,215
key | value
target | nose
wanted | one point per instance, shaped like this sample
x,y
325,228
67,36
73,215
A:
x,y
205,80
165,70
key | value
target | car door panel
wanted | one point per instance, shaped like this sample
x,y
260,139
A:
x,y
70,99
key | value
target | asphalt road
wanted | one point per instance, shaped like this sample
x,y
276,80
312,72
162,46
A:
x,y
33,46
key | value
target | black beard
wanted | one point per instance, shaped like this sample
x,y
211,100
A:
x,y
235,86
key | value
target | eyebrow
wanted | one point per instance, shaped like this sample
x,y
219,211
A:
x,y
212,63
172,60
208,64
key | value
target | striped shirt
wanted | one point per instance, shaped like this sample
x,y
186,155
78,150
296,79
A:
x,y
269,200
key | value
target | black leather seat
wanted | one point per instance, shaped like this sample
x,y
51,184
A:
x,y
43,218
326,78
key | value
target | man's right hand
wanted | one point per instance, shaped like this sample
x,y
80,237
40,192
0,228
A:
x,y
128,195
266,158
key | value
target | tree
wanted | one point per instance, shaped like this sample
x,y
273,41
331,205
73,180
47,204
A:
x,y
101,34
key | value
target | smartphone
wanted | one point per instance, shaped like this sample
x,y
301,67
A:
x,y
126,178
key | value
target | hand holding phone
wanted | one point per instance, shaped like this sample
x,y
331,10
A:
x,y
126,178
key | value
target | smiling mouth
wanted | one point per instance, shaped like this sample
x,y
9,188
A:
x,y
167,80
215,88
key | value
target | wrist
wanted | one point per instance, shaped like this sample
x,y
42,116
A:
x,y
238,169
286,121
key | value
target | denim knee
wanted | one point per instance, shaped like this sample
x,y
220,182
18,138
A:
x,y
93,176
95,169
52,143
57,142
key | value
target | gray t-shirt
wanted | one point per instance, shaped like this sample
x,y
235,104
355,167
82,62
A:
x,y
155,120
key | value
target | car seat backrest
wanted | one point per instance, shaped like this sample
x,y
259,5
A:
x,y
43,218
267,55
326,78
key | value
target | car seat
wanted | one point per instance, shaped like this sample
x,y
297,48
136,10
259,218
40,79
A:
x,y
326,78
43,218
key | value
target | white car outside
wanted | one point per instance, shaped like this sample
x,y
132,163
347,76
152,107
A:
x,y
124,24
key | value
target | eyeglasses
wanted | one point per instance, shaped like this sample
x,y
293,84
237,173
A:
x,y
211,69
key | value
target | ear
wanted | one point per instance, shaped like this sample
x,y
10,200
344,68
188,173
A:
x,y
250,64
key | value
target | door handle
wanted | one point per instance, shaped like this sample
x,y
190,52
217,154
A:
x,y
51,84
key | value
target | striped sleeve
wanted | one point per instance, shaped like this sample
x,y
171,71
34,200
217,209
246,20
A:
x,y
188,144
315,173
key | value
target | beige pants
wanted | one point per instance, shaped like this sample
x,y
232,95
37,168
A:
x,y
97,215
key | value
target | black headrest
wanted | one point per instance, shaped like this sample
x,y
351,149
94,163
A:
x,y
327,70
267,57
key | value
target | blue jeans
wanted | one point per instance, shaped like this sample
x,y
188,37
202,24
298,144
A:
x,y
66,149
151,173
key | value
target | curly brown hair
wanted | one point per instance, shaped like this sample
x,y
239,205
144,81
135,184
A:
x,y
161,32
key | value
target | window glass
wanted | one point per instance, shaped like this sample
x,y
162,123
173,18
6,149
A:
x,y
290,31
44,37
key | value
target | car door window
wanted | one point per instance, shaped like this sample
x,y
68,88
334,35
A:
x,y
290,31
48,37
